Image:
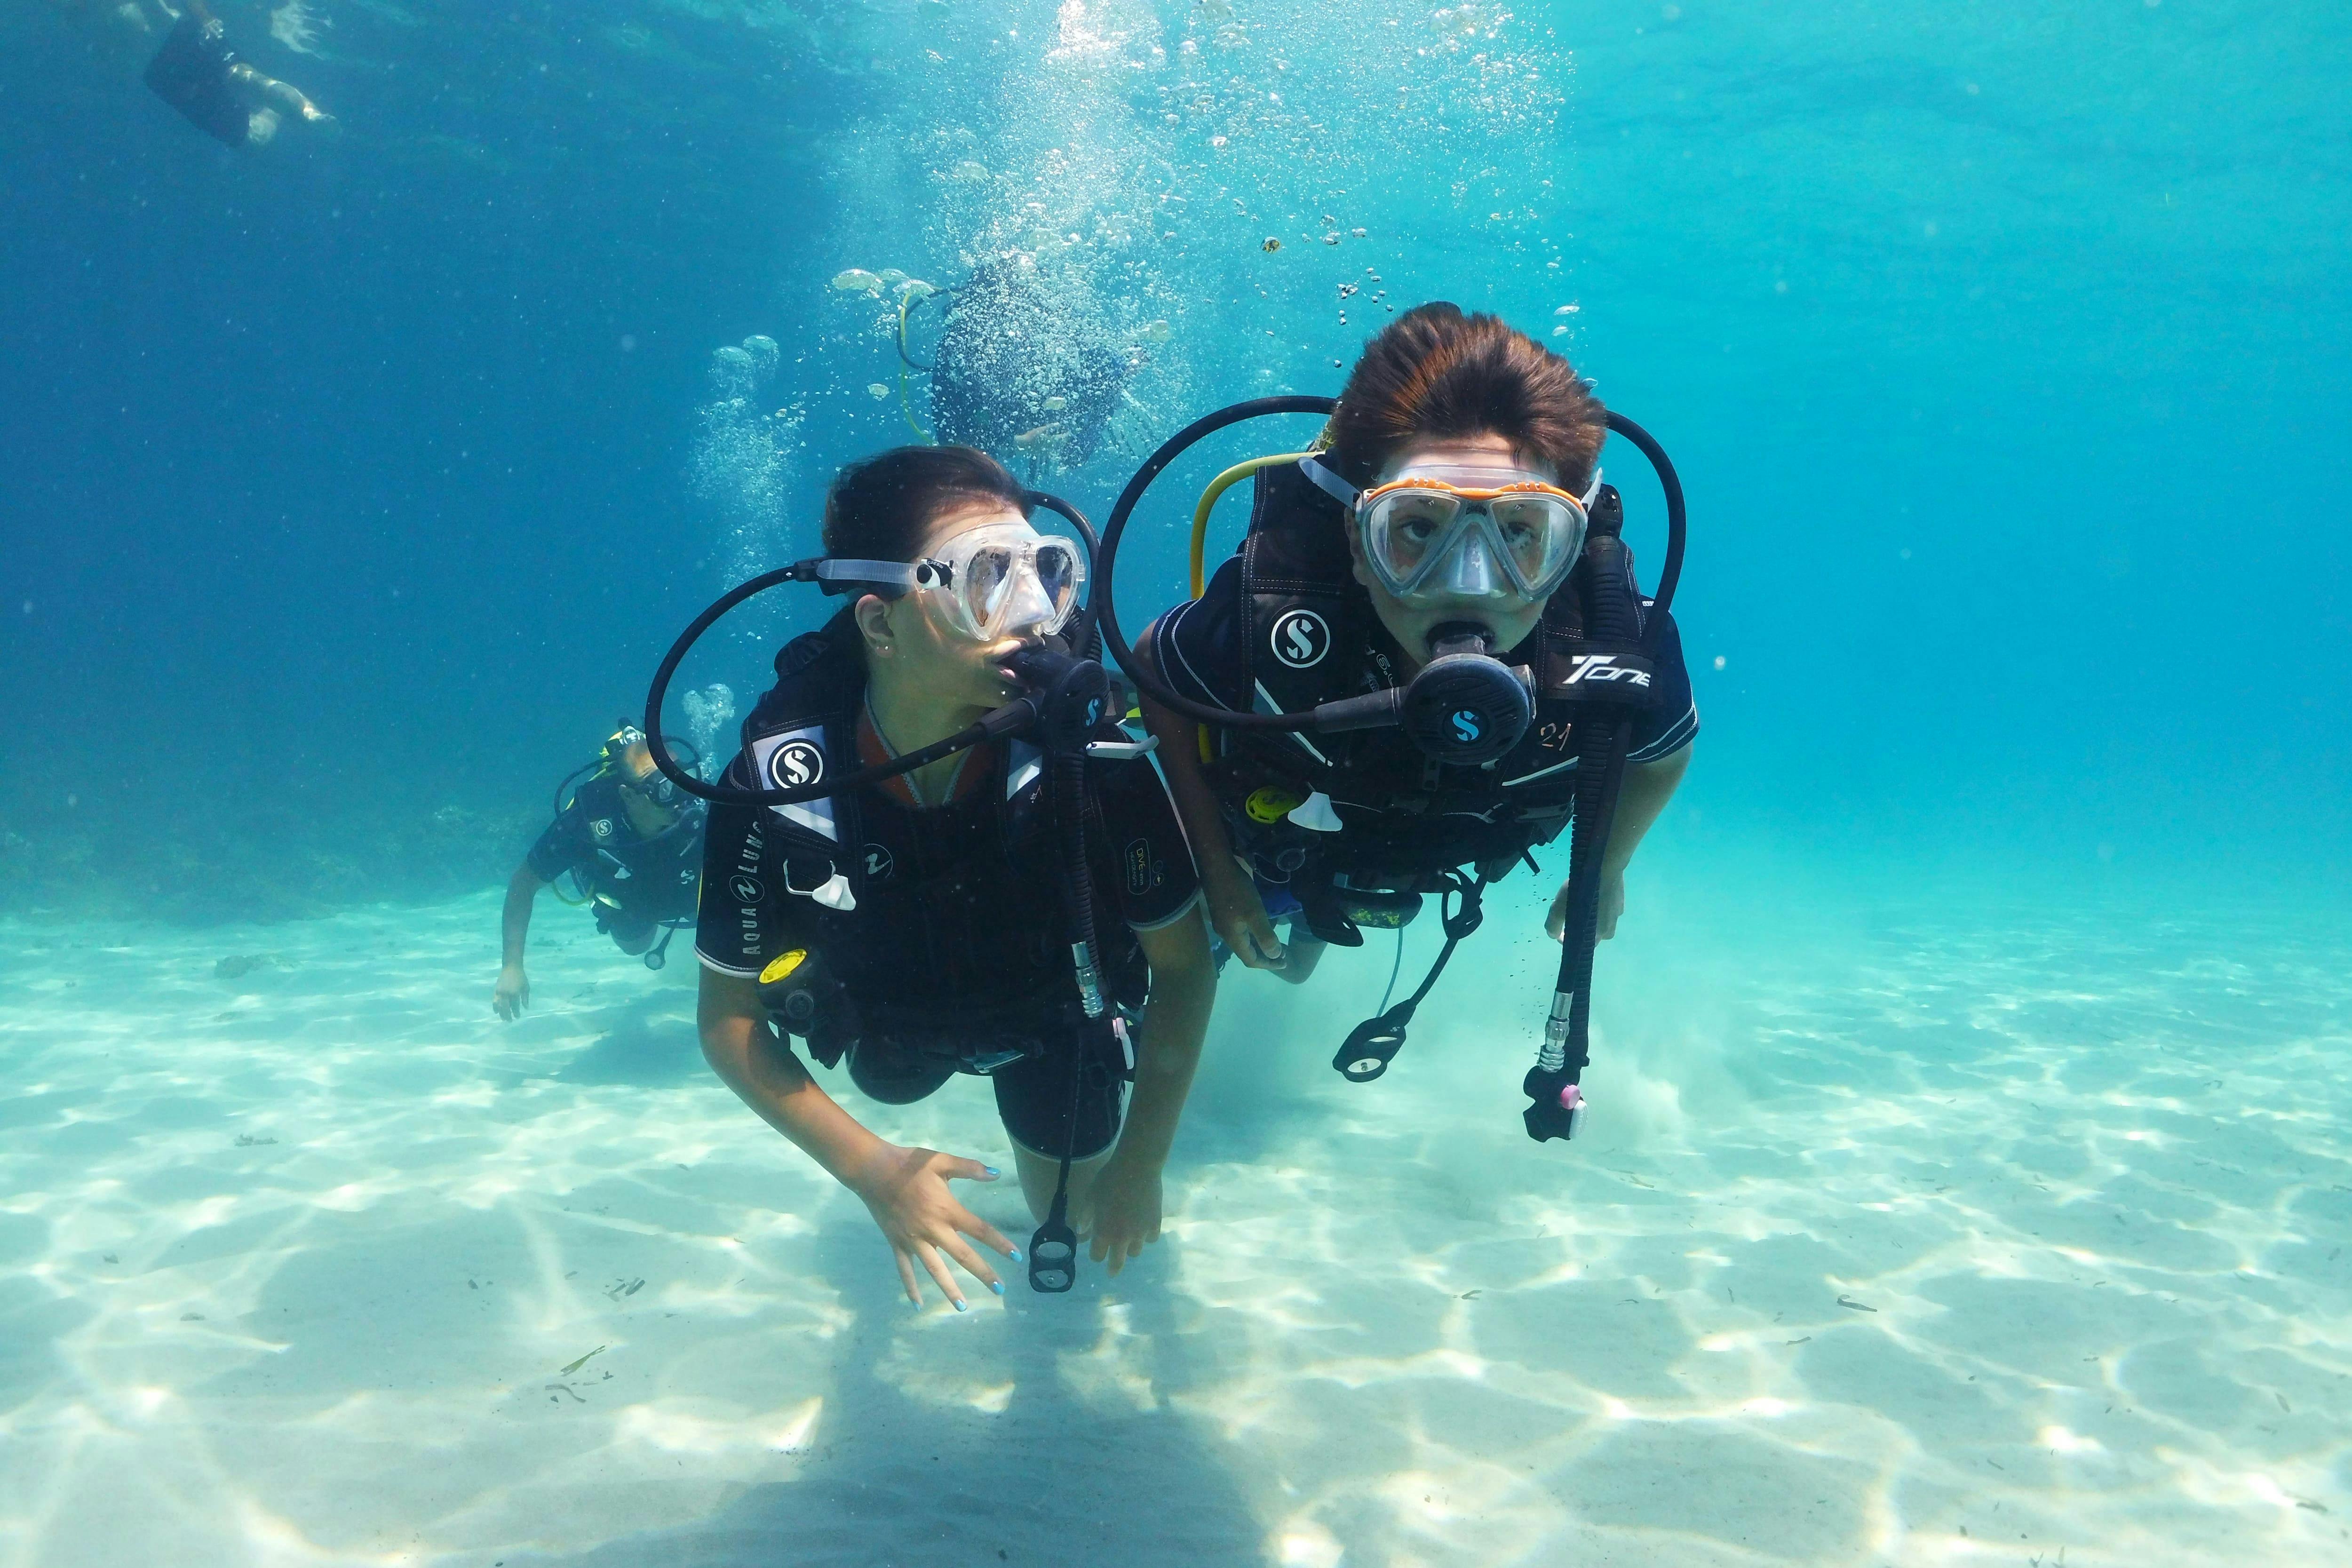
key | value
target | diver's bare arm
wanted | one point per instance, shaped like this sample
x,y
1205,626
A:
x,y
743,1050
1196,803
514,920
1644,795
1235,911
1168,1044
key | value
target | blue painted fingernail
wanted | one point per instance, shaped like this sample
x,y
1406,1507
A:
x,y
1015,1255
962,1307
997,1286
990,1169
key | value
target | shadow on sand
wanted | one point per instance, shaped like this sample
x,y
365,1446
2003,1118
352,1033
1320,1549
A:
x,y
647,1045
1052,1479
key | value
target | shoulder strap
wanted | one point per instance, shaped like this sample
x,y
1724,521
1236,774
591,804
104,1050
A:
x,y
1575,667
805,727
1297,613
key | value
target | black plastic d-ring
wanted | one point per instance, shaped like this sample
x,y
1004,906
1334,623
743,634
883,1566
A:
x,y
1369,1048
1053,1259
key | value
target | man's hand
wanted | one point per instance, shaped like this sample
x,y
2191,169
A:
x,y
513,993
1613,904
1123,1209
1239,919
905,1190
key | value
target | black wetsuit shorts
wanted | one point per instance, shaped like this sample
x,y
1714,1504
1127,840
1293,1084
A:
x,y
1033,1095
191,73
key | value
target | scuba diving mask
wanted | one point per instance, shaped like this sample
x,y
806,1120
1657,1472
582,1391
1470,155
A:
x,y
654,786
1443,535
1000,580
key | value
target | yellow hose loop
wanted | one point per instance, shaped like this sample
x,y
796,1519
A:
x,y
1209,498
906,402
1208,504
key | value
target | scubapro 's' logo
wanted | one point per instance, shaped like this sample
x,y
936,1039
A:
x,y
796,764
878,862
748,890
1300,639
1466,728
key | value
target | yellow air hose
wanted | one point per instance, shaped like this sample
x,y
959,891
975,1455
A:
x,y
1209,498
1208,504
906,402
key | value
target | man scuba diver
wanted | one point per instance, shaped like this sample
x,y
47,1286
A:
x,y
633,844
928,920
1403,669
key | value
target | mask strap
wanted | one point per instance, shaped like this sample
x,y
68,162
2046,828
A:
x,y
843,576
1330,483
1591,491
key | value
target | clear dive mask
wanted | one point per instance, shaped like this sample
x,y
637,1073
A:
x,y
1000,580
1445,534
652,784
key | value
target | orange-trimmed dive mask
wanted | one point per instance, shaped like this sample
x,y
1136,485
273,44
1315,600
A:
x,y
1444,533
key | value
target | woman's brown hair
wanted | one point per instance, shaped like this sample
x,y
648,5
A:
x,y
879,508
1436,372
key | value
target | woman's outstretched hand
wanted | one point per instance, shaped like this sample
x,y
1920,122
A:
x,y
905,1190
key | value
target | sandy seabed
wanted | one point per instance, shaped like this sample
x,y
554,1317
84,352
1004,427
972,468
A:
x,y
1905,1233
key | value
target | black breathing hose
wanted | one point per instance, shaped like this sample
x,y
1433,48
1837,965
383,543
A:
x,y
1114,529
1069,810
1019,714
1104,605
1614,620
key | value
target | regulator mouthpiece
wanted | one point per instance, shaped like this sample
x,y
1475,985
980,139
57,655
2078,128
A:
x,y
1466,707
1070,694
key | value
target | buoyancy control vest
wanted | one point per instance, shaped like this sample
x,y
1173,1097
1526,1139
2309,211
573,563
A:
x,y
1597,654
1391,818
949,944
1062,697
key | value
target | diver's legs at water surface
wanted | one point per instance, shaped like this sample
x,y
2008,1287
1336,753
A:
x,y
1039,1175
286,94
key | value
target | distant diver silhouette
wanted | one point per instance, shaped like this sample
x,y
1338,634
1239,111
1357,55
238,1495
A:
x,y
197,73
1026,366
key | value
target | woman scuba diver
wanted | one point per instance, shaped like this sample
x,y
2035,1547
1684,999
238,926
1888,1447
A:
x,y
914,924
1386,693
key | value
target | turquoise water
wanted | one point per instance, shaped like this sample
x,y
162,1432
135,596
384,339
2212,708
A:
x,y
1966,1180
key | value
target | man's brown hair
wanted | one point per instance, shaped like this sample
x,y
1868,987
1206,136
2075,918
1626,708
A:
x,y
1436,372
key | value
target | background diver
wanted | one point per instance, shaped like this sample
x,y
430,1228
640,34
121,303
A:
x,y
937,945
632,842
197,73
1459,474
